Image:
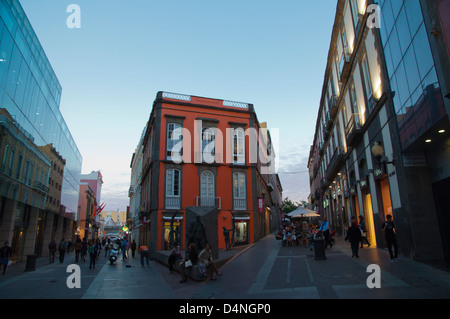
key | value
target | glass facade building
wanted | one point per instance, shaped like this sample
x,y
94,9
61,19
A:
x,y
418,100
31,93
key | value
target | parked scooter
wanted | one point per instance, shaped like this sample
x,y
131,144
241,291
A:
x,y
113,253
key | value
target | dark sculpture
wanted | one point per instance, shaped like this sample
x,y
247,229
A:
x,y
226,234
196,234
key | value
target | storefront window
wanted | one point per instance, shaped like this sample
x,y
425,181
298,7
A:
x,y
172,234
241,232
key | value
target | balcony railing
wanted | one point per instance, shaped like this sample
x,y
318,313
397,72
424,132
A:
x,y
333,106
208,201
240,203
173,202
39,186
353,129
345,65
336,161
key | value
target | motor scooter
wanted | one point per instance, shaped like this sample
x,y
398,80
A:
x,y
113,254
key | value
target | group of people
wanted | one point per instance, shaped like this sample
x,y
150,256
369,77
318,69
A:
x,y
356,234
92,247
305,232
204,261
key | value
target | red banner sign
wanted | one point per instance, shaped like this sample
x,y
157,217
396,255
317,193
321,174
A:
x,y
260,205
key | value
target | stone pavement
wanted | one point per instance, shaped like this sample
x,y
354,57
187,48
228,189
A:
x,y
258,271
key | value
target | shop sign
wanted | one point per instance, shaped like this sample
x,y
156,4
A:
x,y
414,160
378,172
363,183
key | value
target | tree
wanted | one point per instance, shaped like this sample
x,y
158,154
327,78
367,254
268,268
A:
x,y
288,205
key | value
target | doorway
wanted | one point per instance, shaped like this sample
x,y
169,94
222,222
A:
x,y
368,218
442,201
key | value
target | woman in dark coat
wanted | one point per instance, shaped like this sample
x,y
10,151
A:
x,y
354,236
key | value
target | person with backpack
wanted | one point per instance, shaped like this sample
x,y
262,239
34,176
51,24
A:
x,y
93,252
62,250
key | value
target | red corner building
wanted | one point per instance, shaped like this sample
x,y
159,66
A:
x,y
206,158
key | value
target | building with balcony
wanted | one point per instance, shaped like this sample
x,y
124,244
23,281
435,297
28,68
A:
x,y
23,188
87,222
376,158
209,158
30,93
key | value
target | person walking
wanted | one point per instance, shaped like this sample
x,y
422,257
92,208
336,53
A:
x,y
124,248
77,249
5,254
388,227
362,226
206,258
98,244
133,248
143,250
354,236
52,251
62,246
93,252
84,248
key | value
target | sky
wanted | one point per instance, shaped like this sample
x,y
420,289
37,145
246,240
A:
x,y
269,53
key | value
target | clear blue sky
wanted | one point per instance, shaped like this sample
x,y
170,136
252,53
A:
x,y
268,53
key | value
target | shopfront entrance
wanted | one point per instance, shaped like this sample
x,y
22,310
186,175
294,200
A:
x,y
241,231
172,230
368,219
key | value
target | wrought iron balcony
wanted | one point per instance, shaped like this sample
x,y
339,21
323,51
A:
x,y
208,201
353,130
239,203
345,65
333,106
173,202
337,160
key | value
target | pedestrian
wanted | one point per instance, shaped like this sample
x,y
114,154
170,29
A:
x,y
324,228
133,248
143,250
107,246
389,230
362,226
84,248
77,249
5,254
190,259
92,251
52,251
62,246
206,258
69,245
354,236
124,248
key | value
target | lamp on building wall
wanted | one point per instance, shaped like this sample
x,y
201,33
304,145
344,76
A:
x,y
378,153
